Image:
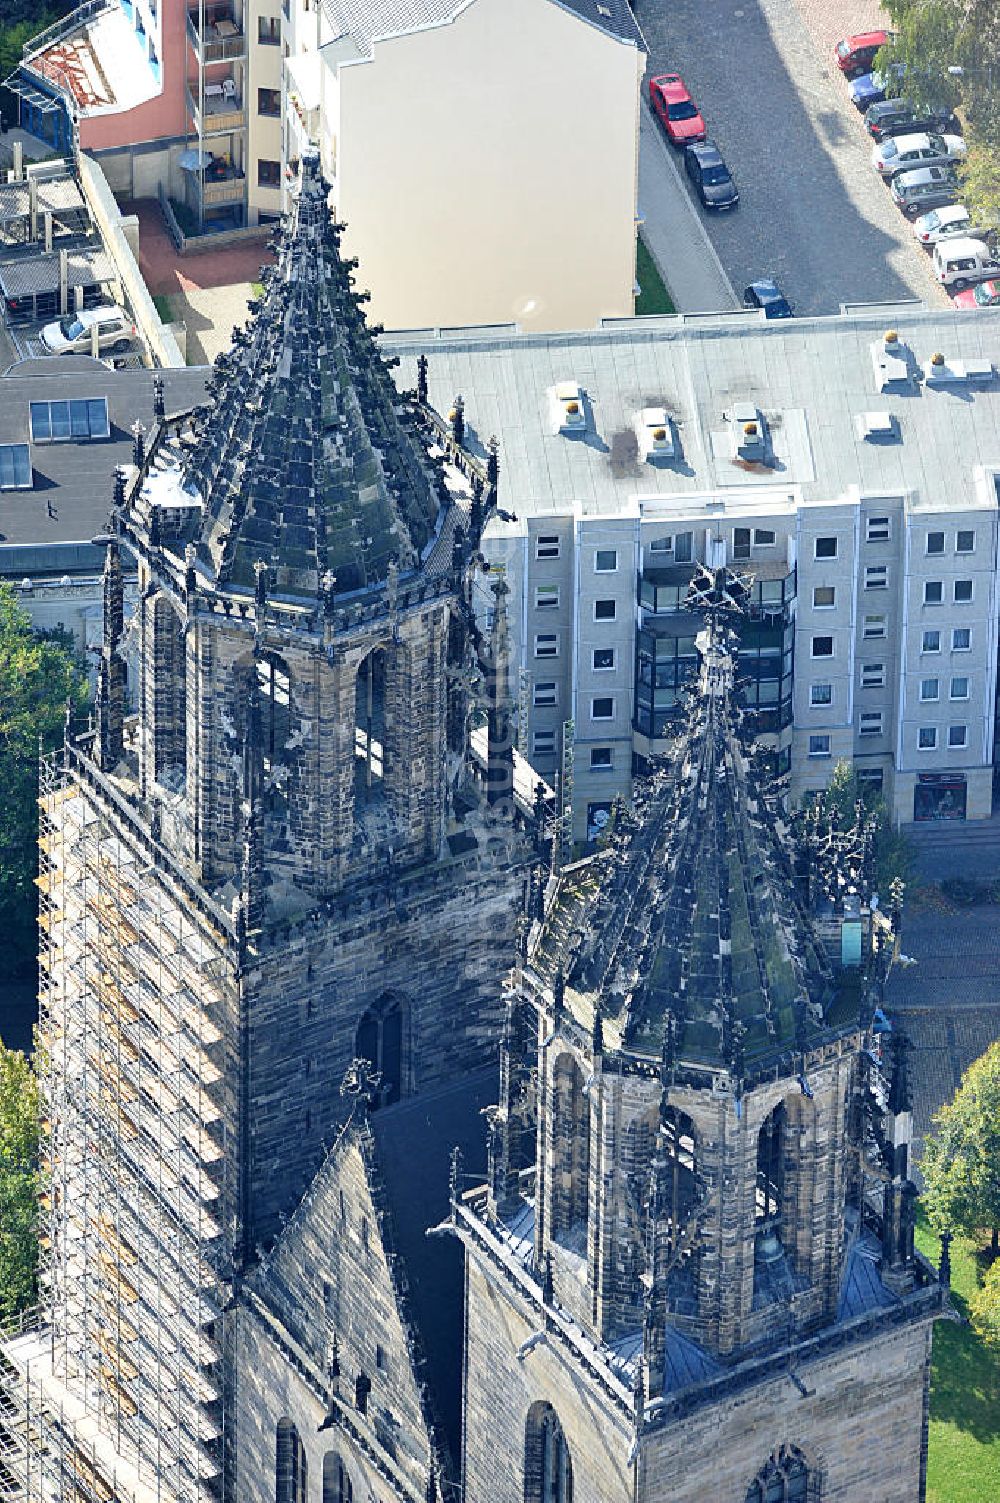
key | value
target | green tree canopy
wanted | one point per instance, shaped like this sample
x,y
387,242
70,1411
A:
x,y
18,1184
840,797
984,1307
38,674
961,1158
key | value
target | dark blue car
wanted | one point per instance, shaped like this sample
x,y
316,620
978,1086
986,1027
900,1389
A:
x,y
768,295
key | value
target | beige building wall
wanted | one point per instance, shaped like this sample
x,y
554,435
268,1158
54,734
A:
x,y
263,131
487,170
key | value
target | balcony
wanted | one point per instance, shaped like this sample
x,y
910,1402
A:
x,y
227,186
224,109
222,40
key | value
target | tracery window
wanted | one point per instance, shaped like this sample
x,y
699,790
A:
x,y
380,1042
784,1478
548,1470
771,1170
290,1468
337,1485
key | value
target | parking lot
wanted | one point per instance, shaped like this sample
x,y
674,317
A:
x,y
813,212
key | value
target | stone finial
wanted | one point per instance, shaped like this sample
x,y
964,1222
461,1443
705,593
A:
x,y
597,1040
944,1265
548,1288
455,1181
422,379
493,463
138,444
159,406
118,493
260,572
328,587
457,419
190,576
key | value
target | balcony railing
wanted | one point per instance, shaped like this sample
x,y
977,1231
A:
x,y
222,41
223,112
230,189
65,27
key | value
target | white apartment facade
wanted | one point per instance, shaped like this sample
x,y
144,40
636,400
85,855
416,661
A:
x,y
482,153
872,634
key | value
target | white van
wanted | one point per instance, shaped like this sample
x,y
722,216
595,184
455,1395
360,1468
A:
x,y
960,261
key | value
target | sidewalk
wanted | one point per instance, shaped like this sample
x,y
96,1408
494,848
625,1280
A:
x,y
674,234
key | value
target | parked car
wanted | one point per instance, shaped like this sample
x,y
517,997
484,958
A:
x,y
856,54
961,261
901,153
675,109
73,333
871,88
768,295
898,117
712,179
924,188
940,224
983,295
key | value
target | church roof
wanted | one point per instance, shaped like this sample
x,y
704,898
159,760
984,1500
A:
x,y
308,460
689,930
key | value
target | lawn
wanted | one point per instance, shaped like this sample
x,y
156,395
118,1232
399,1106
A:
x,y
654,297
963,1464
162,305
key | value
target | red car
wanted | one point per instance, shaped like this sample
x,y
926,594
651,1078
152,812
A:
x,y
983,295
674,107
856,54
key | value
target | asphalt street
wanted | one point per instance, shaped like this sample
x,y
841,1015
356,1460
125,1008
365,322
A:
x,y
813,213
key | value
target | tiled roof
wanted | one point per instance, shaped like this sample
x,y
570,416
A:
x,y
367,21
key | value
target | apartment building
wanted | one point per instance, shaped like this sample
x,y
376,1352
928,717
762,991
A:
x,y
483,153
851,469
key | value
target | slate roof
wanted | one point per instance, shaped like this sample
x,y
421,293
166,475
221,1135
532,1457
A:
x,y
861,1289
71,494
306,460
366,21
811,377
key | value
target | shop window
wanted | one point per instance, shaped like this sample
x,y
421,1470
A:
x,y
939,796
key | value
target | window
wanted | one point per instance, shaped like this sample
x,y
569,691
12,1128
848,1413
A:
x,y
822,647
548,1469
268,174
963,591
269,102
877,577
602,708
935,542
543,743
933,592
927,738
965,542
877,530
821,694
874,626
872,675
930,641
682,547
870,723
379,1040
68,420
662,545
961,639
870,778
741,542
604,657
763,537
958,735
546,645
381,1360
268,31
819,746
929,689
825,548
15,467
337,1484
547,545
604,610
546,597
605,560
959,688
290,1467
545,694
824,596
784,1479
601,758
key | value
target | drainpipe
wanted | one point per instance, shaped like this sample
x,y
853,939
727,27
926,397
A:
x,y
63,281
33,206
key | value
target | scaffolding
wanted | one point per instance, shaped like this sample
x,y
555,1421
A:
x,y
138,1036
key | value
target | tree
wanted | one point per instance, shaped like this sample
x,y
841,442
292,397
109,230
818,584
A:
x,y
18,1184
840,797
984,1307
961,1159
38,674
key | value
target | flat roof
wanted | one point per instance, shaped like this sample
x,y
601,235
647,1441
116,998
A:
x,y
812,379
73,481
59,194
40,273
102,65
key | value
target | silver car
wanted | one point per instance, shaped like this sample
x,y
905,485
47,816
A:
x,y
903,153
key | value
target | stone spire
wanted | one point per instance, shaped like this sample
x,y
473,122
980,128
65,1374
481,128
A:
x,y
307,460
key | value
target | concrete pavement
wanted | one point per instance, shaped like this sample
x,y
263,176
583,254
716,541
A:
x,y
674,234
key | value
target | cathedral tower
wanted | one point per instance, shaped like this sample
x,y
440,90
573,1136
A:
x,y
691,1273
287,872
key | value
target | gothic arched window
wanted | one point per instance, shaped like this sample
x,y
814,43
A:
x,y
369,730
274,689
784,1478
548,1470
678,1130
380,1042
169,705
290,1468
771,1170
337,1485
571,1130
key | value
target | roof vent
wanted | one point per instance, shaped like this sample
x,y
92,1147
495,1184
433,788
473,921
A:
x,y
749,433
655,434
877,427
568,408
890,359
942,370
